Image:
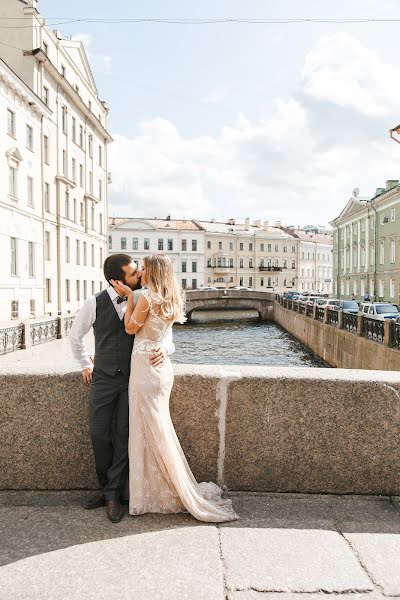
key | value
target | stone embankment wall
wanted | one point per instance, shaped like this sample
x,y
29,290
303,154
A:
x,y
338,347
249,428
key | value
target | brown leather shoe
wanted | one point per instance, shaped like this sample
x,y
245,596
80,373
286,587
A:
x,y
95,502
115,511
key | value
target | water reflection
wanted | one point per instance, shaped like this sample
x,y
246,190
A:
x,y
237,337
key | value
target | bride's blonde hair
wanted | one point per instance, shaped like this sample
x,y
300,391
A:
x,y
163,284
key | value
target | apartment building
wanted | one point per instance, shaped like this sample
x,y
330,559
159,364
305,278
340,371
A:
x,y
366,246
55,142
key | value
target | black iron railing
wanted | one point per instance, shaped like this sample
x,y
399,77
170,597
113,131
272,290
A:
x,y
68,322
350,322
320,313
395,337
333,317
11,339
44,331
373,329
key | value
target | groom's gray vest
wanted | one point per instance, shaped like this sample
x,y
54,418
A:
x,y
113,346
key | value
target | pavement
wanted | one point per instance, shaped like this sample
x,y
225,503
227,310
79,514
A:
x,y
283,545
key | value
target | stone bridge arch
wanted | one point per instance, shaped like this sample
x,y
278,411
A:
x,y
262,302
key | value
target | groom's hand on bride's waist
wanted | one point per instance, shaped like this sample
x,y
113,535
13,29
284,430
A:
x,y
158,357
87,375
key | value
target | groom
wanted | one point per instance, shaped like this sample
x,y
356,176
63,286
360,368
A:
x,y
109,378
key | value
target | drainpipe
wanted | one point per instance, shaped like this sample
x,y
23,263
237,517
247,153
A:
x,y
376,250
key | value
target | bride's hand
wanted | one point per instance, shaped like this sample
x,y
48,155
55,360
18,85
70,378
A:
x,y
120,288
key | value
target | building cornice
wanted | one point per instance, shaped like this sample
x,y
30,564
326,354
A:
x,y
22,90
42,58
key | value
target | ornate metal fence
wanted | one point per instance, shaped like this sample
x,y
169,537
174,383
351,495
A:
x,y
44,331
309,310
320,313
350,322
302,308
333,317
373,329
68,321
395,341
11,339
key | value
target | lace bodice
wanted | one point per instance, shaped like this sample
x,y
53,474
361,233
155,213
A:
x,y
154,328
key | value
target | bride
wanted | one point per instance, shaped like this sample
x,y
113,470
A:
x,y
160,479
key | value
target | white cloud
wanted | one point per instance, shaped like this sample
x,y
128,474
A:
x,y
215,96
298,163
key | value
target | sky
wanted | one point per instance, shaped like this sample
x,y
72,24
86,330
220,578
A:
x,y
270,121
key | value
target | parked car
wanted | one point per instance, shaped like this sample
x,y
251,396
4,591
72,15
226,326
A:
x,y
380,310
242,287
329,302
348,306
313,299
209,288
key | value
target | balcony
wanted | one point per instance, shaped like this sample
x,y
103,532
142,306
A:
x,y
270,268
223,268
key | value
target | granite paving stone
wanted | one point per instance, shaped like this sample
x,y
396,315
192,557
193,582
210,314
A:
x,y
290,560
167,565
380,555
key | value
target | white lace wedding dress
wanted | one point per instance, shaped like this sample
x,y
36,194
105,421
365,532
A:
x,y
160,479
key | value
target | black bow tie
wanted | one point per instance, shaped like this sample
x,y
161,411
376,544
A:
x,y
120,300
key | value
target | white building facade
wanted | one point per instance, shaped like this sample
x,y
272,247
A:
x,y
315,263
64,170
181,240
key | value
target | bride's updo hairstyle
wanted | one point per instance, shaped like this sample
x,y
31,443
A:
x,y
164,286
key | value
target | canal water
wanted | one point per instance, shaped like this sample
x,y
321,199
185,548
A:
x,y
238,338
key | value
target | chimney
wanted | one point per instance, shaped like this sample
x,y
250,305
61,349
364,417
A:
x,y
168,218
266,225
277,223
259,223
379,191
247,223
231,221
391,183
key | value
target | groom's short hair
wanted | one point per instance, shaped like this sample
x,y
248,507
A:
x,y
113,264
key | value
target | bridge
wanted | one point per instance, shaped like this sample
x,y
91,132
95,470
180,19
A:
x,y
262,302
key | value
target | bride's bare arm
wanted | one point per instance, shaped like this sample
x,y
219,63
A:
x,y
135,316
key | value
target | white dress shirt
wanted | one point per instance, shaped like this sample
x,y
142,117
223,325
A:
x,y
85,319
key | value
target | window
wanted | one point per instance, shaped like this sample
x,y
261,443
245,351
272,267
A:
x,y
90,143
194,245
81,175
64,118
47,197
194,266
46,95
269,247
14,309
92,288
261,262
85,253
241,246
85,290
170,245
73,129
293,264
100,155
14,256
382,220
11,123
81,136
64,162
184,284
74,170
262,247
184,245
78,252
194,284
100,223
262,281
66,203
91,182
48,290
208,262
90,105
230,245
46,48
381,253
101,258
285,248
135,244
12,171
285,264
92,216
392,288
67,249
393,215
184,266
250,263
241,281
82,214
78,290
276,248
92,253
241,263
29,137
46,149
47,245
29,181
251,246
67,291
293,249
100,190
123,243
392,251
160,244
220,245
209,245
146,244
63,71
